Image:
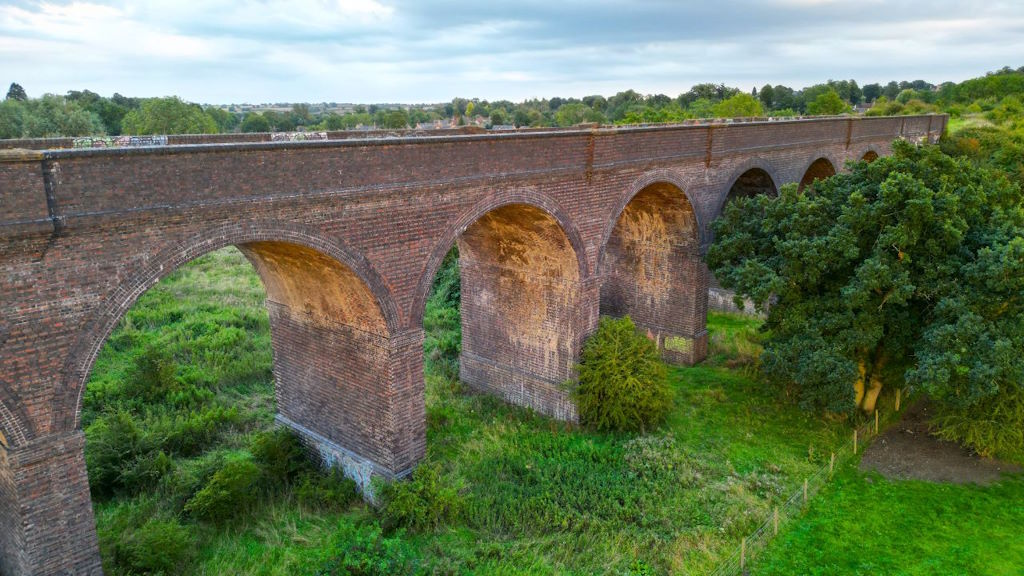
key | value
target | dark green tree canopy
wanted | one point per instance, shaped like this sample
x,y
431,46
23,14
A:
x,y
16,92
907,269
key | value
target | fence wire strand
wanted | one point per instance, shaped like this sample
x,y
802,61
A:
x,y
739,561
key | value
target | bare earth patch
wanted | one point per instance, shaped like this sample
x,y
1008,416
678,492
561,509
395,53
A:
x,y
908,451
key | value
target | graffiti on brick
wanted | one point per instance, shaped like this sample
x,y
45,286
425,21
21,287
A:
x,y
297,136
119,141
679,344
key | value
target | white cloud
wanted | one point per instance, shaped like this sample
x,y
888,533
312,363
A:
x,y
390,50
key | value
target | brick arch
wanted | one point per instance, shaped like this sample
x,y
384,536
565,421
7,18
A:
x,y
654,177
748,165
869,153
813,164
68,398
466,219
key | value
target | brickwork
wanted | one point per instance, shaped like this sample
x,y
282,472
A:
x,y
654,274
347,236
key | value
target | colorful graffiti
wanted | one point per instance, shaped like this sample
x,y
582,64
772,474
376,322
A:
x,y
297,136
119,141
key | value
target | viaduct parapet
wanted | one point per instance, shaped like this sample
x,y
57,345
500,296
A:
x,y
553,229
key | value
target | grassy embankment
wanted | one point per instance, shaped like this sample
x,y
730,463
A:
x,y
535,496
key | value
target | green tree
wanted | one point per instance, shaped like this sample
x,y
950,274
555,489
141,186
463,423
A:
x,y
623,384
12,119
871,92
16,92
828,102
571,114
54,115
169,115
255,122
767,96
226,121
905,269
394,119
498,117
740,105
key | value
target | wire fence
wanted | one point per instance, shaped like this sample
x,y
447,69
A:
x,y
739,561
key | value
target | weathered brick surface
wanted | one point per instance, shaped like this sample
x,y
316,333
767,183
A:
x,y
347,236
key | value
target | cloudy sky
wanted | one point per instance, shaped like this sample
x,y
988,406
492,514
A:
x,y
223,51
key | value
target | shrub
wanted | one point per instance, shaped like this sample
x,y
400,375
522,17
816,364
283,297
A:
x,y
160,546
423,503
113,442
330,490
281,456
228,493
189,434
359,551
152,378
992,427
623,384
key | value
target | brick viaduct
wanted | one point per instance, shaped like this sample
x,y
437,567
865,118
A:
x,y
553,227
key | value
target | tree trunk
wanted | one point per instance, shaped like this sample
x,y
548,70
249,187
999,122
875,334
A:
x,y
868,398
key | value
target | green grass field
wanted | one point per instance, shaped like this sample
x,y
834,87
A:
x,y
865,524
535,496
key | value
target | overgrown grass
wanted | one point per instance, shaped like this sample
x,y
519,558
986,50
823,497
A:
x,y
531,495
865,524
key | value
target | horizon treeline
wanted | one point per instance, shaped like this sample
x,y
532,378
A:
x,y
86,113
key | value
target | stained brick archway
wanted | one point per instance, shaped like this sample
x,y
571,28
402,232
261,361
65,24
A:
x,y
870,156
524,309
449,239
653,270
257,242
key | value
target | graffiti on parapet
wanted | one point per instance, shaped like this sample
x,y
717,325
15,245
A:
x,y
297,136
119,141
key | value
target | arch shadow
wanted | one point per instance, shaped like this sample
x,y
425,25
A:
x,y
654,177
822,166
467,218
751,164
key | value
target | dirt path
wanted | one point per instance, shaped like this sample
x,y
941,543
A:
x,y
907,451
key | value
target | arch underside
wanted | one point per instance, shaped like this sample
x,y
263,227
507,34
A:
x,y
870,156
653,272
752,183
818,170
330,348
522,308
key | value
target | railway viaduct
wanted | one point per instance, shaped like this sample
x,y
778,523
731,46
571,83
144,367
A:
x,y
553,227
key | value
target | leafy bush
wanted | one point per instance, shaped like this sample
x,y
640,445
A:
x,y
423,503
160,546
623,384
189,434
992,427
358,551
152,378
330,490
114,443
281,456
229,492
